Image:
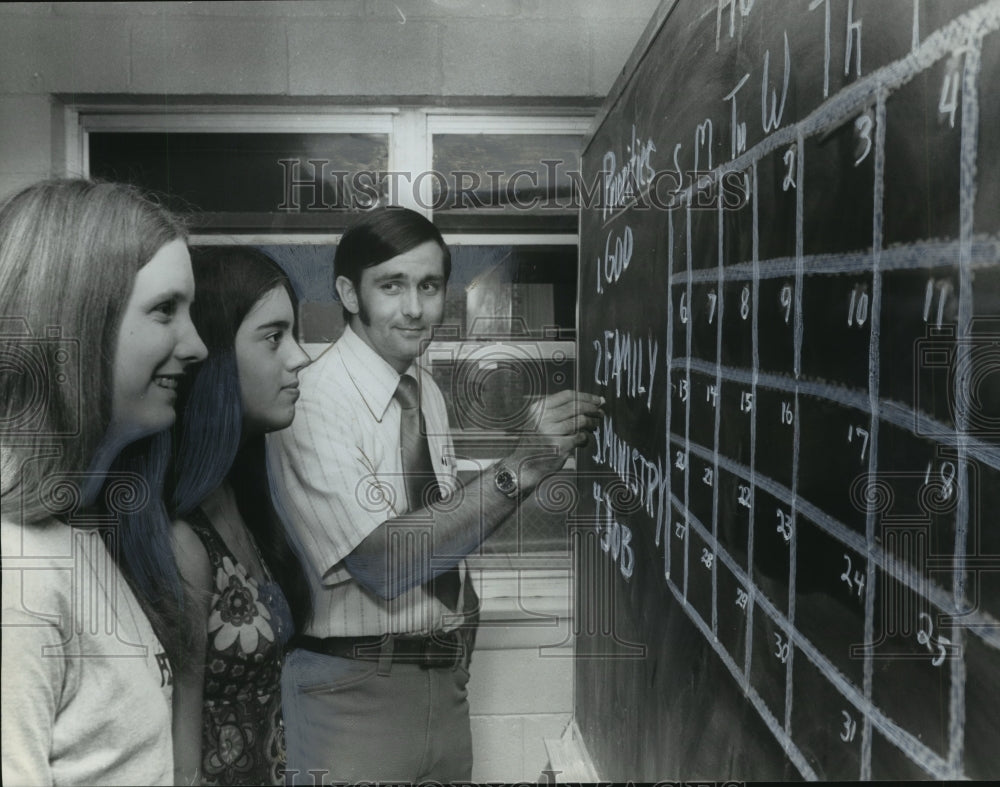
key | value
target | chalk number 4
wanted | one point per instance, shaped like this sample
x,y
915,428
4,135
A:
x,y
948,103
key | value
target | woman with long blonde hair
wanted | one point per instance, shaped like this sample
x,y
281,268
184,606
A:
x,y
95,335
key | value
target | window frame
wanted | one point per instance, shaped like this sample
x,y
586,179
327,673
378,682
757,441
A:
x,y
411,131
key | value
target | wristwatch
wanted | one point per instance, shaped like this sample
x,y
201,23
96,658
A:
x,y
506,481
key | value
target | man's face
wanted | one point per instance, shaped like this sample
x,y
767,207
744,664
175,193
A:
x,y
398,302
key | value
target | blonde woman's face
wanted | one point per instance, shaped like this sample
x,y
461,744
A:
x,y
156,343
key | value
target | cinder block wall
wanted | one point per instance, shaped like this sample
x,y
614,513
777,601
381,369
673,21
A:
x,y
442,52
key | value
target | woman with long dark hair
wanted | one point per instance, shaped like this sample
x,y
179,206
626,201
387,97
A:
x,y
246,583
95,335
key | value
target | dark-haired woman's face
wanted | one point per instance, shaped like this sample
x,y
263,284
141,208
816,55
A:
x,y
156,343
268,360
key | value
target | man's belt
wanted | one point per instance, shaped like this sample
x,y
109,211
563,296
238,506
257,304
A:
x,y
441,649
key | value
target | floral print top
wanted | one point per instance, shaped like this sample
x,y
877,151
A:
x,y
243,739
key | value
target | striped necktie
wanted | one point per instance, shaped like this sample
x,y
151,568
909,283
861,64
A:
x,y
421,483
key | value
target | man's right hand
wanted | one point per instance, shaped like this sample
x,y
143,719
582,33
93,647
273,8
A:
x,y
562,423
564,420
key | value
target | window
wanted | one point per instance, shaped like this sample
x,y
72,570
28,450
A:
x,y
238,174
498,186
504,182
254,181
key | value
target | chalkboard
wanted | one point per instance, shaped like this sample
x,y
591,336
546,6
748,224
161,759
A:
x,y
789,293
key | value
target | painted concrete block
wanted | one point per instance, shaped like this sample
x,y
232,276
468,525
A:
x,y
231,8
520,682
11,182
21,9
531,58
209,55
45,55
373,57
594,9
497,746
25,134
612,46
412,9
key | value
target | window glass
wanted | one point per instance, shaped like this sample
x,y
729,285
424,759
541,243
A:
x,y
505,182
249,182
310,267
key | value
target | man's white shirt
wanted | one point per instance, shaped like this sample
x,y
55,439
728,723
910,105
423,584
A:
x,y
336,474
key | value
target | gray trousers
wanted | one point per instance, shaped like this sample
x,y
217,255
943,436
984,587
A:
x,y
346,721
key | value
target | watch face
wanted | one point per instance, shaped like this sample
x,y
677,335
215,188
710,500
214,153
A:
x,y
505,481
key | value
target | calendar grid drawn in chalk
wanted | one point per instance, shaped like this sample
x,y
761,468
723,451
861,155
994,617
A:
x,y
820,505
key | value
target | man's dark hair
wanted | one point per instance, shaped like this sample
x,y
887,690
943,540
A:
x,y
380,235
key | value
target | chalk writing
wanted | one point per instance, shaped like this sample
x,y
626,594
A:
x,y
938,290
768,368
863,126
850,728
857,310
628,362
785,299
703,140
784,525
745,6
852,43
858,580
945,483
616,538
937,646
788,182
772,112
644,477
621,184
782,648
862,435
617,256
738,129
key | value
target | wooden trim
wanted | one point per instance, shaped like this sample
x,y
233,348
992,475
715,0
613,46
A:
x,y
219,120
569,760
507,124
318,239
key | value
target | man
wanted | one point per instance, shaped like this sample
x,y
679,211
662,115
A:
x,y
375,689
